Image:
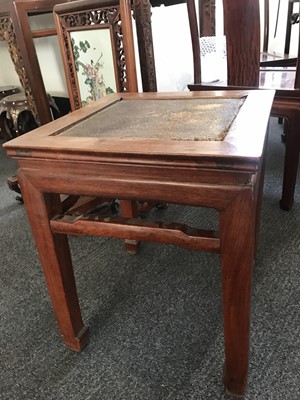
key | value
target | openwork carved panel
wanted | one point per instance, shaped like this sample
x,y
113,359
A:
x,y
92,19
4,21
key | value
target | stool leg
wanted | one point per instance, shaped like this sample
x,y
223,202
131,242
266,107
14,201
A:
x,y
55,258
6,130
128,209
237,253
291,161
2,126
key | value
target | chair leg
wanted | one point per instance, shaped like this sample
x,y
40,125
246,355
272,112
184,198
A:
x,y
283,135
291,161
128,209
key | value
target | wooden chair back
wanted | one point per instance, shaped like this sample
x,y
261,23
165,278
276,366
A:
x,y
96,42
242,28
242,31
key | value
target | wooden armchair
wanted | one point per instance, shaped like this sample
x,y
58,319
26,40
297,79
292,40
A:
x,y
242,30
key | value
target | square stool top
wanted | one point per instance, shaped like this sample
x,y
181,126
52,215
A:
x,y
224,127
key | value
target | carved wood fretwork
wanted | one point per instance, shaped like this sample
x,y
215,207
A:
x,y
91,17
142,15
94,18
7,33
207,17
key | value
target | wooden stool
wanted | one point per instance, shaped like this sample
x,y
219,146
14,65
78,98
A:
x,y
7,91
16,116
163,147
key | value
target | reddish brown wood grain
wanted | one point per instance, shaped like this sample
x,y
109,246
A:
x,y
225,175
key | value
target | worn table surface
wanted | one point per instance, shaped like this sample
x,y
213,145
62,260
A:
x,y
82,131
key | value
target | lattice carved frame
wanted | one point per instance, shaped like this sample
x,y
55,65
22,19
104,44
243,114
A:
x,y
84,20
7,34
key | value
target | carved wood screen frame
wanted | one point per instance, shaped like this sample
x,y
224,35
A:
x,y
82,15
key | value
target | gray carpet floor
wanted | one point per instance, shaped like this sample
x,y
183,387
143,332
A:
x,y
155,318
